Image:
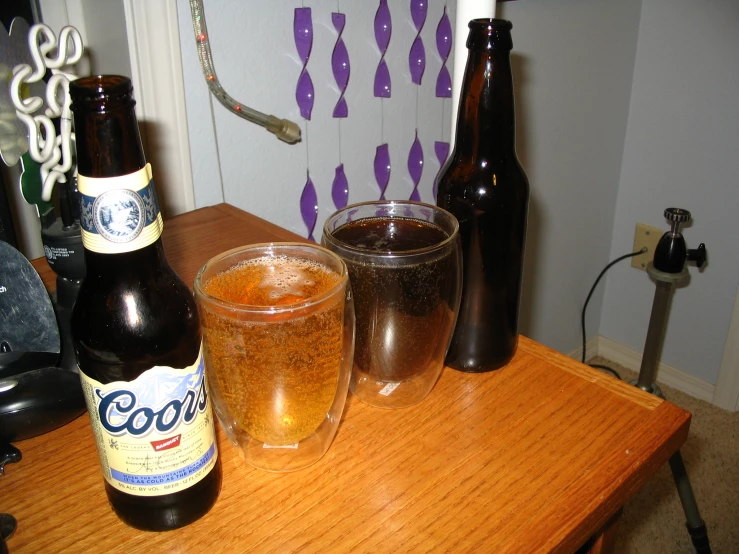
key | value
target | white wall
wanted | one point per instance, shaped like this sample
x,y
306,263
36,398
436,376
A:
x,y
573,63
102,27
623,109
101,24
610,134
257,63
682,149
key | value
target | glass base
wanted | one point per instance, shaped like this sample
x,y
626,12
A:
x,y
393,394
283,458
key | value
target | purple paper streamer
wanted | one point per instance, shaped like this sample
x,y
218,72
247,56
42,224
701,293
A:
x,y
350,215
309,206
383,30
382,168
415,167
384,211
303,34
340,65
340,188
442,152
444,46
417,54
427,214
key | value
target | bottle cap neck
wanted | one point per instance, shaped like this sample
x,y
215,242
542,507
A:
x,y
101,93
486,118
106,130
489,34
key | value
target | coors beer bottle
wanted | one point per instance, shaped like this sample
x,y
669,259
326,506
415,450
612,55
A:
x,y
484,185
135,327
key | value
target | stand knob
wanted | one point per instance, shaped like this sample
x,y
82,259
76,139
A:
x,y
671,252
698,255
677,214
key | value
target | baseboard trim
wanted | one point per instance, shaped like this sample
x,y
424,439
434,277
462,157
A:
x,y
591,349
631,359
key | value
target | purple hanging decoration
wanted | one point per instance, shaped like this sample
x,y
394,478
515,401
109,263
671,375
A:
x,y
382,168
442,152
303,34
383,30
417,65
417,54
304,95
444,46
443,85
383,211
309,206
415,167
340,65
340,188
341,68
350,215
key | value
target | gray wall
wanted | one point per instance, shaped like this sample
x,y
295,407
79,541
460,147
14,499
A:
x,y
257,63
623,109
682,149
574,63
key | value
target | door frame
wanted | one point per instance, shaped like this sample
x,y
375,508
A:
x,y
726,394
152,29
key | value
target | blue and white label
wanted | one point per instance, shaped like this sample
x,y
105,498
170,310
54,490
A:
x,y
163,478
155,435
119,214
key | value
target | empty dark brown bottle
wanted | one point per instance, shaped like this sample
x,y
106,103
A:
x,y
135,327
485,187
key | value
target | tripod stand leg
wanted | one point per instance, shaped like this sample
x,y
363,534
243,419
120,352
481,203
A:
x,y
652,346
665,283
696,526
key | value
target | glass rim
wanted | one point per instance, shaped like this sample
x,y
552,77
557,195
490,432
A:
x,y
385,253
298,305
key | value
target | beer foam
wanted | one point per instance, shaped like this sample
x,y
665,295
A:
x,y
284,279
288,276
271,281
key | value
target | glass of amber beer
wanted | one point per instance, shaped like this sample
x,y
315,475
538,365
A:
x,y
404,263
278,340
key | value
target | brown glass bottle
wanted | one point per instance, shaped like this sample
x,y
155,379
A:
x,y
485,187
134,313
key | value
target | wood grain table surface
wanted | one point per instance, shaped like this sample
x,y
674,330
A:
x,y
535,457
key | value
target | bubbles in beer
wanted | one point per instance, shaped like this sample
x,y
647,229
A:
x,y
271,281
402,331
277,376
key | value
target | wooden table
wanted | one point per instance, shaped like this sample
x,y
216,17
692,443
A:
x,y
535,457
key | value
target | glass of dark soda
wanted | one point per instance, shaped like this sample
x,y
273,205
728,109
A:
x,y
404,261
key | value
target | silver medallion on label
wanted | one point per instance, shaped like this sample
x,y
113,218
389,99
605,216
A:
x,y
119,215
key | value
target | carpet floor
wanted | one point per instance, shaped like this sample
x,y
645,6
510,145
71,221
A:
x,y
653,521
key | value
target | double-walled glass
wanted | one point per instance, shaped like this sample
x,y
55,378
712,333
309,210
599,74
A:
x,y
278,338
405,268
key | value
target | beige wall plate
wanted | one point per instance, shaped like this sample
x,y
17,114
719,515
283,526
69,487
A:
x,y
645,236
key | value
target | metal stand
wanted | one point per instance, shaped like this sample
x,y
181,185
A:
x,y
667,269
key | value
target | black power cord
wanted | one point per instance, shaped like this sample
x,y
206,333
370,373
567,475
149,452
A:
x,y
585,306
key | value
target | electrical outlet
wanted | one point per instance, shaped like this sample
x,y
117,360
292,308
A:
x,y
645,236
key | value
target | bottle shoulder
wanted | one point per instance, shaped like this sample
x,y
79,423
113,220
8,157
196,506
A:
x,y
125,322
159,293
483,178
